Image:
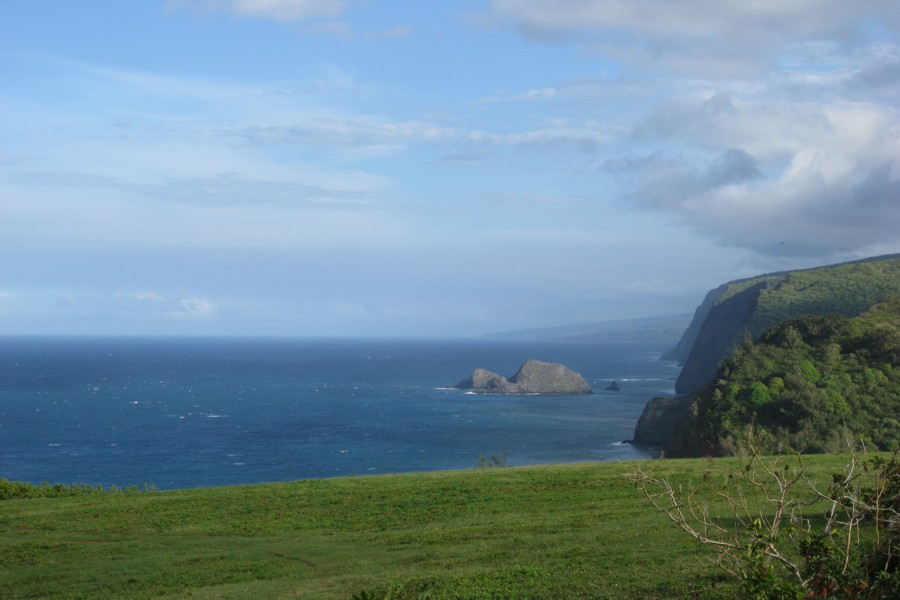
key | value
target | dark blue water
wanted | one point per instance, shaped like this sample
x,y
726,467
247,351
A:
x,y
180,413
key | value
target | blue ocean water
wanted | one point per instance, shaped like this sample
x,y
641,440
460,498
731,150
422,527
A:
x,y
179,413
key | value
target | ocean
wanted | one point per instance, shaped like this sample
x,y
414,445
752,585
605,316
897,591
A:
x,y
189,412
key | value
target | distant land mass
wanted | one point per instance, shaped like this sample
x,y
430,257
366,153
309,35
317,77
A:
x,y
649,329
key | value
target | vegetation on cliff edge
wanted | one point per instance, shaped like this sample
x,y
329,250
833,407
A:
x,y
847,289
805,384
752,306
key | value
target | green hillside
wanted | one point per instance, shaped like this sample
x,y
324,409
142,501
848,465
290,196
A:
x,y
564,531
577,531
751,306
846,289
805,383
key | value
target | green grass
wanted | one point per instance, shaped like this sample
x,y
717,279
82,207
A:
x,y
569,531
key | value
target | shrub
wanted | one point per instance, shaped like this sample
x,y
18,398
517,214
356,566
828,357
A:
x,y
776,551
492,462
18,490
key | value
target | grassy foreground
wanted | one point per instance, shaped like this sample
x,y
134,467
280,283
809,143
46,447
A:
x,y
569,531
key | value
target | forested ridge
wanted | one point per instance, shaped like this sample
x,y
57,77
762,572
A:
x,y
805,384
846,289
751,306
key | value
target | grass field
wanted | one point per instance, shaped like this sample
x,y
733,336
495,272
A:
x,y
566,531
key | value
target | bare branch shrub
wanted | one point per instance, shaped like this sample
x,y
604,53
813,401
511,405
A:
x,y
766,521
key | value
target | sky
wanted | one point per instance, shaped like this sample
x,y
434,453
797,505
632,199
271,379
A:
x,y
431,169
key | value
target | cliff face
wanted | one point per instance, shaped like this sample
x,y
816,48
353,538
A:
x,y
660,420
681,350
751,306
717,337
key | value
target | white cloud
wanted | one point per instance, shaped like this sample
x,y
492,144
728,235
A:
x,y
771,126
579,90
178,139
352,132
697,36
148,297
225,189
98,218
344,31
195,308
393,136
780,178
276,10
153,304
80,309
351,310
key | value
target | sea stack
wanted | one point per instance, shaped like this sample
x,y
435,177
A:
x,y
533,377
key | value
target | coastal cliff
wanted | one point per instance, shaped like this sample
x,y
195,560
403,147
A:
x,y
660,420
717,336
683,348
748,307
736,317
809,383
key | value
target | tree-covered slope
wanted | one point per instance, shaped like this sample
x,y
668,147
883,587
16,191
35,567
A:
x,y
805,384
754,305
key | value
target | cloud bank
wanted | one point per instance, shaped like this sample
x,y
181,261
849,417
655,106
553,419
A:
x,y
774,125
371,167
276,10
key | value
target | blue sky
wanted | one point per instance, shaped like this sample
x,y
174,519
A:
x,y
375,167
